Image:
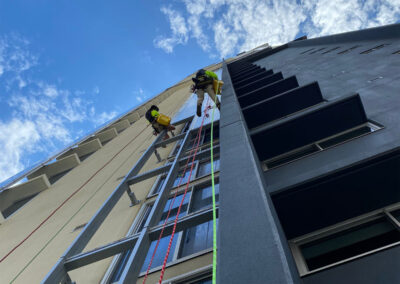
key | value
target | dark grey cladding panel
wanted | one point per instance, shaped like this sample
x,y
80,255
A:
x,y
378,268
343,195
241,82
268,91
244,71
248,237
247,74
259,83
282,105
313,126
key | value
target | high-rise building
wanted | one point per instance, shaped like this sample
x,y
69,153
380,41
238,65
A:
x,y
306,161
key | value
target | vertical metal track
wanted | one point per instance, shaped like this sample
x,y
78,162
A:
x,y
58,273
138,255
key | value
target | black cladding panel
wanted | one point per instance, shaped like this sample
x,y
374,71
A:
x,y
341,196
316,125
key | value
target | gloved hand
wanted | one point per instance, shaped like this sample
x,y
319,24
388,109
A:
x,y
193,88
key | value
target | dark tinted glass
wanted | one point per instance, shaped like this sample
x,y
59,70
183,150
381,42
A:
x,y
351,242
197,238
202,197
175,206
296,155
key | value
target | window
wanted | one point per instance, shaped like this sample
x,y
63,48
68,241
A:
x,y
183,177
350,49
197,280
330,50
346,241
202,197
205,167
205,138
191,240
158,185
197,239
373,49
321,145
174,209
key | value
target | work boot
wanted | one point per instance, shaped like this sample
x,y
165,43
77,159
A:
x,y
219,106
198,110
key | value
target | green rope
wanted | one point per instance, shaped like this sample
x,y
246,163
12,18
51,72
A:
x,y
214,274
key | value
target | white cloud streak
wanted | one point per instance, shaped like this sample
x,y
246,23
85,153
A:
x,y
44,117
232,26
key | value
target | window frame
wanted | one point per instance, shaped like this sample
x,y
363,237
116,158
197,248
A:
x,y
295,243
373,125
191,276
139,219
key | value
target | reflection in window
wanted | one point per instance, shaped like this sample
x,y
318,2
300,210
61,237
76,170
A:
x,y
160,184
197,239
175,206
161,252
351,242
202,197
320,145
183,176
205,167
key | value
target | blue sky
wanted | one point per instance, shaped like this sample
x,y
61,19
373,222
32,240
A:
x,y
66,67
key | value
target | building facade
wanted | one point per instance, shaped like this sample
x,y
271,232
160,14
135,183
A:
x,y
306,159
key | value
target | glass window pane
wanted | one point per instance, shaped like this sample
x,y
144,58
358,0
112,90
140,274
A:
x,y
120,266
293,156
205,168
175,206
184,177
144,218
159,185
351,242
161,251
202,197
197,238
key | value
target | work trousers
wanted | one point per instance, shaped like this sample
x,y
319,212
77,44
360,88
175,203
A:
x,y
210,91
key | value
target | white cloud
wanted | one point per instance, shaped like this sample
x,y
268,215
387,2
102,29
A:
x,y
104,117
140,95
178,28
44,117
239,25
17,137
50,91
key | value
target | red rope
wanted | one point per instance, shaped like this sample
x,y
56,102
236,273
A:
x,y
69,197
196,141
183,198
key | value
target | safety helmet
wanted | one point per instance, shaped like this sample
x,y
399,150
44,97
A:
x,y
201,72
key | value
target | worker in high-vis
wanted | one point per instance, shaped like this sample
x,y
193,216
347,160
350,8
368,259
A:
x,y
206,81
159,121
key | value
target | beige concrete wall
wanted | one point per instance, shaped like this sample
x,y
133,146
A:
x,y
97,176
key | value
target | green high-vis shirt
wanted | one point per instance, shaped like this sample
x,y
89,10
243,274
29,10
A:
x,y
211,74
154,113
